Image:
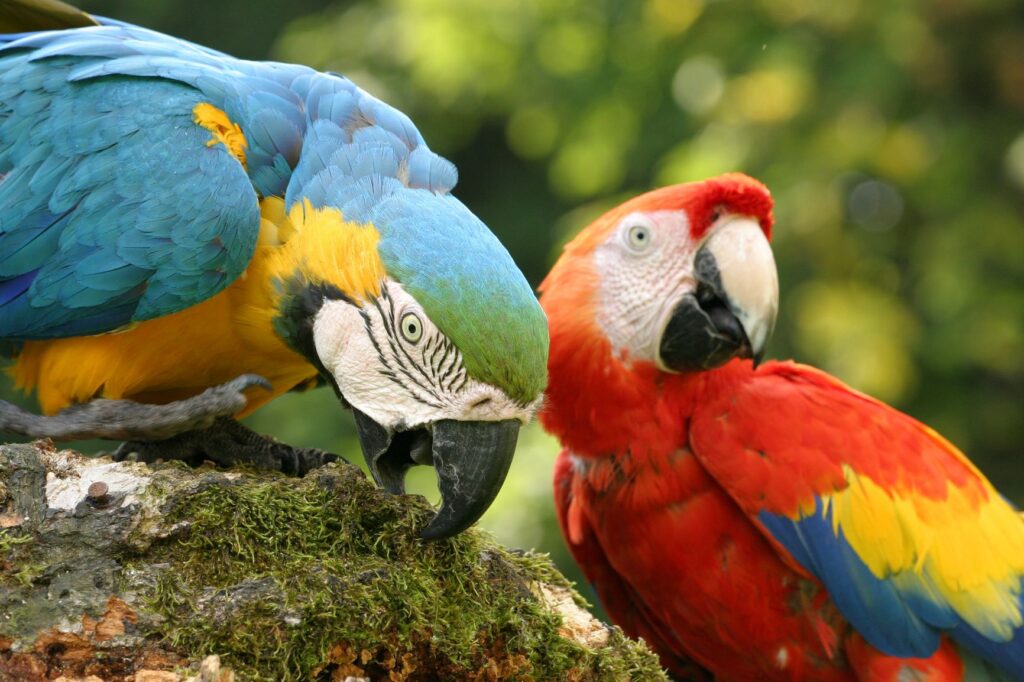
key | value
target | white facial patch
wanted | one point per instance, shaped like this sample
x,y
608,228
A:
x,y
642,279
394,365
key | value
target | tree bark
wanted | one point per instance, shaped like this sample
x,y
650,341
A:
x,y
120,571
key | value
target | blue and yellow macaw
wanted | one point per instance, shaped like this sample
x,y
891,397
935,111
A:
x,y
175,221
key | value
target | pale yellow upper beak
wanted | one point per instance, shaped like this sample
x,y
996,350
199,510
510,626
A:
x,y
749,278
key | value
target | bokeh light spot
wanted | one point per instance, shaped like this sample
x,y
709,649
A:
x,y
532,131
585,168
1014,161
719,149
698,84
904,153
672,16
875,206
771,95
570,48
859,333
851,136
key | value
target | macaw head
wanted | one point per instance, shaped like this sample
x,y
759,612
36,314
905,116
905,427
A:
x,y
678,280
404,300
417,315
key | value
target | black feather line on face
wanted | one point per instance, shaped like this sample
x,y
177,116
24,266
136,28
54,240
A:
x,y
385,296
397,351
300,303
448,360
391,372
393,330
460,374
368,325
444,358
427,345
437,346
388,371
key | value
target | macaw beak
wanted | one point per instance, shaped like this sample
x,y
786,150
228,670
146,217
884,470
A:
x,y
472,459
731,313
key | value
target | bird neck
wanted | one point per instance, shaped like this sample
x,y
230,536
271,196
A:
x,y
599,405
319,246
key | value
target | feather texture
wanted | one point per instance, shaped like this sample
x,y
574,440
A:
x,y
770,523
908,537
132,165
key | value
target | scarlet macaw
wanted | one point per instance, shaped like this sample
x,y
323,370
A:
x,y
765,522
173,218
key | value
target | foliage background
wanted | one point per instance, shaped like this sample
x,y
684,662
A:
x,y
891,133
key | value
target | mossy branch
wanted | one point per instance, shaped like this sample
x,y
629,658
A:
x,y
110,569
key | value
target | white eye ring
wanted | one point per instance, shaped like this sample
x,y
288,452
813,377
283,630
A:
x,y
639,237
412,328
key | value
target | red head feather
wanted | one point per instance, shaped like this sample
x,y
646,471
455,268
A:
x,y
580,360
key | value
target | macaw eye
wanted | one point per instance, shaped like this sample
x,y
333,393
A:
x,y
639,237
412,328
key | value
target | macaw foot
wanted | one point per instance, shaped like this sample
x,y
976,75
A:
x,y
129,420
227,443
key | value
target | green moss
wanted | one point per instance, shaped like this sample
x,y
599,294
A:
x,y
15,552
8,541
284,579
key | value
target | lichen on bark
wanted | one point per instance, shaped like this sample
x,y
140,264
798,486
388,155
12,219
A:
x,y
323,577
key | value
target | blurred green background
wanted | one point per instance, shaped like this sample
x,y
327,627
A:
x,y
891,133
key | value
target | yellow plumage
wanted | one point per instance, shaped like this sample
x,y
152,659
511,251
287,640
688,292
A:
x,y
222,129
227,335
966,549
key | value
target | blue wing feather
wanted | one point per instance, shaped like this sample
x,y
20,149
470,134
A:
x,y
16,286
872,606
893,617
1007,655
112,105
92,162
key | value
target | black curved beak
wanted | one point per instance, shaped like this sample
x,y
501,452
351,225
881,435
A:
x,y
699,338
472,459
702,332
706,328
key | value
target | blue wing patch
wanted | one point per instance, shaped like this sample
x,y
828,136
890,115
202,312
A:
x,y
891,617
115,208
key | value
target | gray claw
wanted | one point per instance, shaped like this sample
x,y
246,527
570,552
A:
x,y
227,443
307,459
240,383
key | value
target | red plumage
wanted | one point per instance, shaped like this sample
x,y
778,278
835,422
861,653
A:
x,y
662,478
673,557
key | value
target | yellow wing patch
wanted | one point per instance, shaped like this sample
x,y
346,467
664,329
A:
x,y
222,129
964,551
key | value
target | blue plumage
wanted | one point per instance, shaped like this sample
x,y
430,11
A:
x,y
95,164
890,615
116,209
110,190
874,607
16,286
1009,656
